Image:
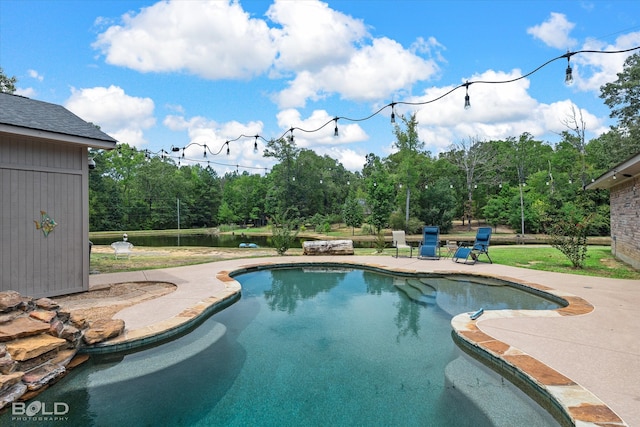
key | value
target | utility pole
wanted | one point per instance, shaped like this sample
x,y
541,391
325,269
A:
x,y
178,206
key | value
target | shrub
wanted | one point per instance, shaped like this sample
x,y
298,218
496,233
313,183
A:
x,y
367,229
415,226
333,218
380,242
570,238
283,231
396,221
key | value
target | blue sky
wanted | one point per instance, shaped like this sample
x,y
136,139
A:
x,y
163,74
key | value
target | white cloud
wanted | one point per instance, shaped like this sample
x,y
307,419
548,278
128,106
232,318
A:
x,y
319,51
35,75
29,92
498,111
352,160
175,107
373,72
215,40
592,70
175,123
122,116
312,35
554,31
332,53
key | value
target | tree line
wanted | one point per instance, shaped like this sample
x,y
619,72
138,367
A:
x,y
520,182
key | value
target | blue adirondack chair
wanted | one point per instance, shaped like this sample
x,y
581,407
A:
x,y
430,245
470,254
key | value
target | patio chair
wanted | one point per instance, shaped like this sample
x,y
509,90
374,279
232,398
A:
x,y
430,245
400,242
470,254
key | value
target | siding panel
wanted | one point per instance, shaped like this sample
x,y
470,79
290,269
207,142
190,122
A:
x,y
5,216
35,176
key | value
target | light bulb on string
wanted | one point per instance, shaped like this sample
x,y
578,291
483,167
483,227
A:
x,y
568,74
467,100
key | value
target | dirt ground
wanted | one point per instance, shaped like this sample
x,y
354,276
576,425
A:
x,y
195,251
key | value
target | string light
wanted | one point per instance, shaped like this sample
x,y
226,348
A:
x,y
392,105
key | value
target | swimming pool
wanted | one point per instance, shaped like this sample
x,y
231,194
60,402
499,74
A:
x,y
312,346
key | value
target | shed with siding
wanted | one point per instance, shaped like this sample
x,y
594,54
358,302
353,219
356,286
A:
x,y
623,183
44,196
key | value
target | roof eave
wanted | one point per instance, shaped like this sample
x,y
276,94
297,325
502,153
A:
x,y
617,175
54,136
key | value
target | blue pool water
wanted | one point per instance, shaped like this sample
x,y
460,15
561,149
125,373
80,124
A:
x,y
312,347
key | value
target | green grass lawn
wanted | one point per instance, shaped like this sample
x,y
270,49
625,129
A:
x,y
599,261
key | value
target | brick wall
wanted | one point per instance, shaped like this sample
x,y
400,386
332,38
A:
x,y
625,221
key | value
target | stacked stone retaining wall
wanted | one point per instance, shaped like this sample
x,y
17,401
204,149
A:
x,y
39,343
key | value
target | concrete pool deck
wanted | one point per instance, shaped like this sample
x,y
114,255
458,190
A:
x,y
583,355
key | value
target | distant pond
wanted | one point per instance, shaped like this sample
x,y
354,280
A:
x,y
211,240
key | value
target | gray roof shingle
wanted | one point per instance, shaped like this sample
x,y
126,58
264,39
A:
x,y
28,113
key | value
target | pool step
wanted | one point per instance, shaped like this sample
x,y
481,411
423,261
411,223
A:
x,y
495,398
423,287
138,365
416,290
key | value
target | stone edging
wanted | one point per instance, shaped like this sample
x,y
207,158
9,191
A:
x,y
172,327
567,401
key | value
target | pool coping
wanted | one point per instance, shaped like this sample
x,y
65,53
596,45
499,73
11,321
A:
x,y
562,397
558,394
